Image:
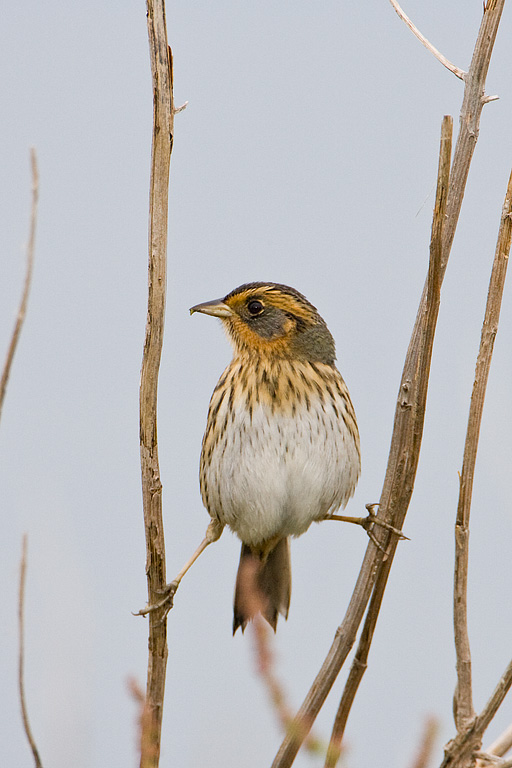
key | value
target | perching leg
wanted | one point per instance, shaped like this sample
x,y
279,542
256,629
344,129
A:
x,y
213,532
368,522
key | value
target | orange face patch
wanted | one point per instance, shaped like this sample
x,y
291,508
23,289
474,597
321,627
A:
x,y
271,296
245,337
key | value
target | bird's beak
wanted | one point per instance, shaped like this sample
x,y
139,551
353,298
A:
x,y
217,308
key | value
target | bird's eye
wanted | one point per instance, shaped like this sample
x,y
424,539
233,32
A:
x,y
255,308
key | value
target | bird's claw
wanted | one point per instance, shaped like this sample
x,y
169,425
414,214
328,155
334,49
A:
x,y
166,602
372,519
377,543
169,590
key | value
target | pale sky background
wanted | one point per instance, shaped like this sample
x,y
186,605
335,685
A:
x,y
307,155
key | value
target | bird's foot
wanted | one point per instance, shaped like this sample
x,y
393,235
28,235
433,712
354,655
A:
x,y
368,522
213,532
166,602
372,519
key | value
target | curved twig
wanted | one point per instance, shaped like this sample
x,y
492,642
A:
x,y
28,280
21,655
470,113
428,45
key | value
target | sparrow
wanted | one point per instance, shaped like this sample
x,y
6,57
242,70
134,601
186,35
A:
x,y
281,445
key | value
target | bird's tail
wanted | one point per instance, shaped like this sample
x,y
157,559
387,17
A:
x,y
263,585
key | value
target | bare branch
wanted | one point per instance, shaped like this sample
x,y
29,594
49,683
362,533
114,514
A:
x,y
483,720
461,751
463,695
439,56
398,485
163,128
408,426
416,372
471,111
28,280
21,654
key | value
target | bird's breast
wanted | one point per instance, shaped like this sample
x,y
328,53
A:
x,y
281,448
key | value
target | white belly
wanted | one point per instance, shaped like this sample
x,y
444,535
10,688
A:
x,y
274,474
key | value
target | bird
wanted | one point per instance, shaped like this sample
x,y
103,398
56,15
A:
x,y
281,447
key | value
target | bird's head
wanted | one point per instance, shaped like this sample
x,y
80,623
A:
x,y
272,320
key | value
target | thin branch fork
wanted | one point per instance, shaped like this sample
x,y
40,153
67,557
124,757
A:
x,y
472,105
462,750
471,111
163,129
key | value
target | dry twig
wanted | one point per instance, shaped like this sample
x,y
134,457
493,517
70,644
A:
x,y
430,731
463,695
254,605
460,751
407,429
469,122
146,744
28,279
423,40
398,485
21,655
163,126
407,434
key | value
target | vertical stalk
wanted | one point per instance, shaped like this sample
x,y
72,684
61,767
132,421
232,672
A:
x,y
163,115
